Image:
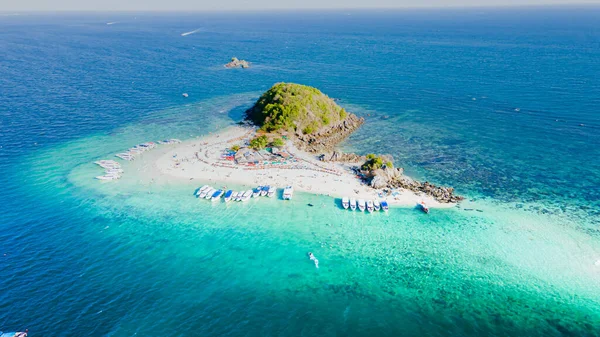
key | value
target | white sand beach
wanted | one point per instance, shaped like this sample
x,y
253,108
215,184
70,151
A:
x,y
203,160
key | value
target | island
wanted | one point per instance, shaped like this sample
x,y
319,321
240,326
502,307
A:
x,y
236,63
289,137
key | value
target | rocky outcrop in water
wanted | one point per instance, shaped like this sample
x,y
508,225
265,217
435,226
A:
x,y
337,156
389,178
235,63
327,137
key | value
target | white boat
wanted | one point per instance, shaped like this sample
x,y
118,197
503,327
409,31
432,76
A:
x,y
353,204
424,207
125,156
114,171
217,195
256,192
228,196
384,206
361,205
108,177
203,193
209,193
107,164
247,195
200,190
288,192
370,206
238,196
345,202
270,191
376,205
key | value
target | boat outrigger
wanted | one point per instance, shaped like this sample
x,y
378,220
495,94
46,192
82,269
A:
x,y
345,202
237,196
264,190
247,195
210,193
200,190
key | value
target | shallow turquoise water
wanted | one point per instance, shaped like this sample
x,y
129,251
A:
x,y
115,259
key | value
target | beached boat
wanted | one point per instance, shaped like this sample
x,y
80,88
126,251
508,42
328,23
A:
x,y
107,164
361,205
352,204
376,205
239,196
271,191
288,192
247,195
384,206
423,207
370,206
256,192
125,156
114,171
228,195
217,195
209,193
265,190
345,202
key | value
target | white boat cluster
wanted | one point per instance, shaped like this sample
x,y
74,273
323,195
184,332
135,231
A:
x,y
362,205
141,148
112,170
213,194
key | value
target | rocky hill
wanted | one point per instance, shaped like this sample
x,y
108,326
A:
x,y
311,118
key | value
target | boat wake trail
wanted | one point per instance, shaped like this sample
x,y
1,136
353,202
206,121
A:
x,y
112,23
190,33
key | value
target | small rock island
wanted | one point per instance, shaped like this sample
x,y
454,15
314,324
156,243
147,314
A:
x,y
236,63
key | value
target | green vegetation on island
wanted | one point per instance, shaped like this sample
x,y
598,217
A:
x,y
375,162
259,142
295,107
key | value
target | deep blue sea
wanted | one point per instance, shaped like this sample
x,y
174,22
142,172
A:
x,y
502,104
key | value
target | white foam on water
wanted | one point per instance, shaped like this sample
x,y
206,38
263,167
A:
x,y
191,32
